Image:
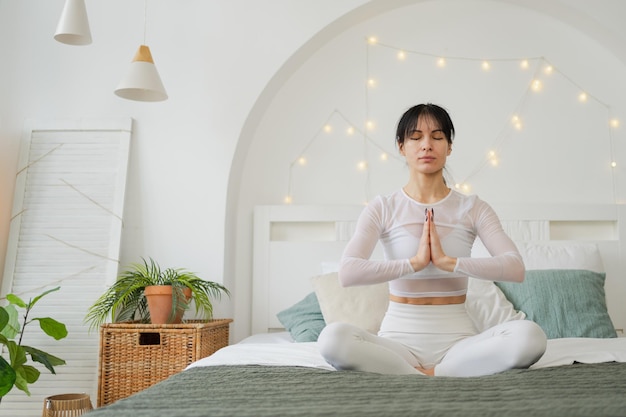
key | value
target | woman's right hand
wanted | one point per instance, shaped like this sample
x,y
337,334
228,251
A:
x,y
422,258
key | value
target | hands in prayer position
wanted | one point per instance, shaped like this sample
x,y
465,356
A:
x,y
430,249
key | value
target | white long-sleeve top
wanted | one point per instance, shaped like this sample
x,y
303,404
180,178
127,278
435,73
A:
x,y
397,221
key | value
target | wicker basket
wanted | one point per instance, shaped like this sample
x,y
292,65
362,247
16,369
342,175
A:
x,y
66,405
135,356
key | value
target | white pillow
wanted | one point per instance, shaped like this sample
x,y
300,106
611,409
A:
x,y
487,305
561,255
553,255
363,306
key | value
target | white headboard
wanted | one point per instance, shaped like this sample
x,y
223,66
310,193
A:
x,y
291,243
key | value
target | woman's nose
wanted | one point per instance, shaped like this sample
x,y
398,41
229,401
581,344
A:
x,y
427,143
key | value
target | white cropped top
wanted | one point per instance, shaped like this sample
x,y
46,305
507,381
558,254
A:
x,y
397,221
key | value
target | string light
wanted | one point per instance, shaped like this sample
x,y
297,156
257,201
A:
x,y
493,158
536,85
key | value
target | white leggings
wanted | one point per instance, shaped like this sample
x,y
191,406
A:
x,y
442,337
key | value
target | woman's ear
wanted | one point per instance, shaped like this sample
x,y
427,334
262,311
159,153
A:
x,y
449,149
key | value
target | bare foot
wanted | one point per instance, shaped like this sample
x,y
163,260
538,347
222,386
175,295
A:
x,y
428,372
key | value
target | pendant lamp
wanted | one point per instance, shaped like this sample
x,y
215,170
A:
x,y
73,26
142,82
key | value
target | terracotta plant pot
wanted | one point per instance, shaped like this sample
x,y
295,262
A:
x,y
160,303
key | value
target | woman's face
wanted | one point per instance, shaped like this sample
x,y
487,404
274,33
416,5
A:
x,y
426,148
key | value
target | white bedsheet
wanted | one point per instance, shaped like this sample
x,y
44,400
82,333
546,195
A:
x,y
257,351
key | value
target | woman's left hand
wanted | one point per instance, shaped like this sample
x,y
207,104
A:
x,y
437,255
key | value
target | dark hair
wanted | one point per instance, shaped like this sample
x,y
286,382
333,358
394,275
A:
x,y
408,121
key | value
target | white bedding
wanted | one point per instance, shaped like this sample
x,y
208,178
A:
x,y
277,350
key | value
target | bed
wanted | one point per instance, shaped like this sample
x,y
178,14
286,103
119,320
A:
x,y
574,288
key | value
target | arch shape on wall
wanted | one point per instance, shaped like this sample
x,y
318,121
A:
x,y
556,10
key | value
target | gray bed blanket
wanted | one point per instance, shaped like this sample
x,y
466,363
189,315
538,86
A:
x,y
593,390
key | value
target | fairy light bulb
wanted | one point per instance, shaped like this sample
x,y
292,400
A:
x,y
361,166
536,85
614,123
288,199
493,158
548,69
524,64
582,97
328,128
401,55
369,125
350,130
384,156
486,66
441,62
516,122
302,161
613,164
372,40
371,82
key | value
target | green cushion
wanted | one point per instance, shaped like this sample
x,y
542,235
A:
x,y
565,303
303,320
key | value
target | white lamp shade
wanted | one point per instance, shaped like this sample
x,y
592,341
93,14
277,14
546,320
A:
x,y
142,82
73,27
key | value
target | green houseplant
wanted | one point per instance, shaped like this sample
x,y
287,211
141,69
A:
x,y
14,370
126,299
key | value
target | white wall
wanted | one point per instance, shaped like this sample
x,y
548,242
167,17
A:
x,y
214,57
250,82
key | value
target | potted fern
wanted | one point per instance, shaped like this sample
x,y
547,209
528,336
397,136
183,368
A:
x,y
14,368
129,298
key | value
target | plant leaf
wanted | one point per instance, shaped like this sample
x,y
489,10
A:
x,y
31,374
48,360
52,328
14,299
7,377
16,353
20,379
4,318
34,300
12,328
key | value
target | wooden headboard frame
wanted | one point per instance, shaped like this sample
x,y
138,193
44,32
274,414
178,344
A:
x,y
292,243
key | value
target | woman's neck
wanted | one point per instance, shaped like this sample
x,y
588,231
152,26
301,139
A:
x,y
427,190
